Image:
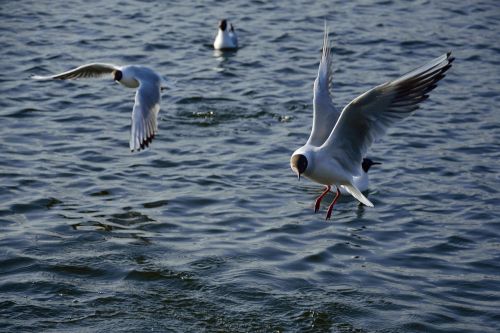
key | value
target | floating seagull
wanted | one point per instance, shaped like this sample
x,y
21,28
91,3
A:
x,y
226,38
333,154
362,182
147,98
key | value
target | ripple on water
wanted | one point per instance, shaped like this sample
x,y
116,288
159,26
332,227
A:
x,y
209,230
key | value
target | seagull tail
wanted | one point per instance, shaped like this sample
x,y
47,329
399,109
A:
x,y
357,194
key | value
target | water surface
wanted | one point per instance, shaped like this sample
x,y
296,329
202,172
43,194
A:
x,y
209,230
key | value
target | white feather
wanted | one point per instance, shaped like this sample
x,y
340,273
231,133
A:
x,y
147,98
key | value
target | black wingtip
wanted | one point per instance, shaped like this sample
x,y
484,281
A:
x,y
449,57
145,143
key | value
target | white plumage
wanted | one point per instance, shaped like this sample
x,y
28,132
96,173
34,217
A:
x,y
147,98
226,38
338,142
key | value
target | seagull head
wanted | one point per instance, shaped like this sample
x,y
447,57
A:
x,y
117,75
223,25
367,163
298,163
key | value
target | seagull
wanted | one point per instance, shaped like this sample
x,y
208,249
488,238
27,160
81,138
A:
x,y
147,98
226,38
333,154
361,182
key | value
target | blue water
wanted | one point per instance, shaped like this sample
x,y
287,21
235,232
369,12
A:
x,y
209,230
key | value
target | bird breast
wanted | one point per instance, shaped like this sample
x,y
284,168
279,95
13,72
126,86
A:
x,y
129,82
327,172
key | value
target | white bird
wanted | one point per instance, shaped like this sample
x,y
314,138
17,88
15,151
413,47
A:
x,y
326,115
147,98
333,154
226,38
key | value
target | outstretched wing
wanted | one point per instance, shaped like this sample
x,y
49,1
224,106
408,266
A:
x,y
94,70
324,116
144,115
368,116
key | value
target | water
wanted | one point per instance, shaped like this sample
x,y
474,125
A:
x,y
209,230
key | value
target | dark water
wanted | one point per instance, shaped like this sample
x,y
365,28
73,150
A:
x,y
209,230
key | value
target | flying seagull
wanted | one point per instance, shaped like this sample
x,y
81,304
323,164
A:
x,y
147,98
333,155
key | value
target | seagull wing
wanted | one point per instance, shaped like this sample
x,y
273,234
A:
x,y
325,116
94,70
233,36
367,117
144,115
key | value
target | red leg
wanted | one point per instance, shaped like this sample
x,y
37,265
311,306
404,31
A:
x,y
318,199
330,208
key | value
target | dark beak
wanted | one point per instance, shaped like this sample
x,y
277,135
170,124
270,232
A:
x,y
297,172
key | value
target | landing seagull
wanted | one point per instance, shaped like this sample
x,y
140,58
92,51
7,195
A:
x,y
147,98
333,154
226,38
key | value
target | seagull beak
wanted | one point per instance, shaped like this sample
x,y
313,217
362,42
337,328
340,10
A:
x,y
297,172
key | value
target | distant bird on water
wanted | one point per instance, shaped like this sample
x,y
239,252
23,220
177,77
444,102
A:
x,y
334,153
147,98
226,38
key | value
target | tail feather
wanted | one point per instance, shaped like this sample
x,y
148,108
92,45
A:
x,y
357,194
